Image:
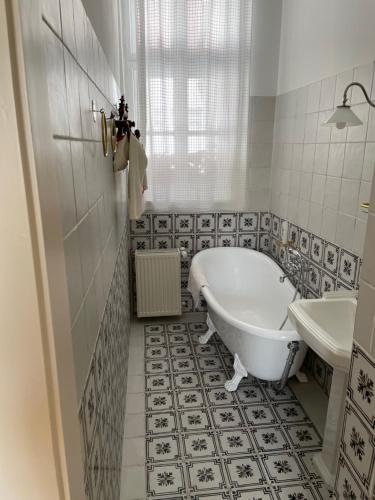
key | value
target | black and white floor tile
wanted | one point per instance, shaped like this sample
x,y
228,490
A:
x,y
203,442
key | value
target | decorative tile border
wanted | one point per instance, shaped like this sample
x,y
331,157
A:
x,y
102,408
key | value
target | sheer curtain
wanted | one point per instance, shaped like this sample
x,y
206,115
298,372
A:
x,y
192,99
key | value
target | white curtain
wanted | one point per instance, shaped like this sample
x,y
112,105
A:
x,y
192,87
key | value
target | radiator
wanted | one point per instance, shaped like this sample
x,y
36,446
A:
x,y
158,282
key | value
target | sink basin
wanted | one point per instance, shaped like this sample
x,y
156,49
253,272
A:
x,y
326,325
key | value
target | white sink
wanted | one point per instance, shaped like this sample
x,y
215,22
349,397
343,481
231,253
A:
x,y
327,325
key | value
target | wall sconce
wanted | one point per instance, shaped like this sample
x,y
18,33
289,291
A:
x,y
343,115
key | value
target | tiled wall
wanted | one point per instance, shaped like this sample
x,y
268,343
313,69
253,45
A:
x,y
320,175
356,472
94,220
198,231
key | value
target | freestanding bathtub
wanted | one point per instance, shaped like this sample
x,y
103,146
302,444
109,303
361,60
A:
x,y
247,304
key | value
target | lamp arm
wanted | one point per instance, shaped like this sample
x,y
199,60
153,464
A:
x,y
357,84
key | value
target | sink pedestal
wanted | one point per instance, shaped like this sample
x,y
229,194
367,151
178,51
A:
x,y
326,460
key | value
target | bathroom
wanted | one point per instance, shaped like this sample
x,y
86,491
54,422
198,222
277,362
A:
x,y
209,334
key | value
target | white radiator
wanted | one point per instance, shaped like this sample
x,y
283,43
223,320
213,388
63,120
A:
x,y
158,281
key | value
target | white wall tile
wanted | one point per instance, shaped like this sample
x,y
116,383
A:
x,y
358,134
73,272
315,218
329,224
64,173
313,99
306,185
318,188
368,162
327,94
345,231
368,268
311,127
336,159
364,323
343,79
308,157
321,158
364,75
353,163
79,178
349,197
332,193
324,133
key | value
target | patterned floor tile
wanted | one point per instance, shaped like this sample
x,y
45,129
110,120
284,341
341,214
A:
x,y
250,395
283,467
186,380
194,420
156,352
156,366
260,414
205,350
192,398
155,339
214,378
290,412
183,364
205,475
227,417
257,494
210,363
162,448
303,436
270,439
300,492
219,396
285,394
161,423
178,338
159,401
203,442
180,350
158,382
235,442
165,480
154,329
199,445
176,328
244,471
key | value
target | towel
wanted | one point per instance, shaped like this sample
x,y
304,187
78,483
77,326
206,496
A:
x,y
132,151
122,155
197,280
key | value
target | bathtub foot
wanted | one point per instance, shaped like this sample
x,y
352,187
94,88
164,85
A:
x,y
203,339
239,373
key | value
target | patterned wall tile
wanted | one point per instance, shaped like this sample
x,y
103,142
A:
x,y
102,408
362,384
227,223
358,446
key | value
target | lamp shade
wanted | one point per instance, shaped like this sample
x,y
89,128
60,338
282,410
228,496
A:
x,y
343,117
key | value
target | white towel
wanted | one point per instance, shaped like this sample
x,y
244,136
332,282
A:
x,y
132,151
122,155
196,281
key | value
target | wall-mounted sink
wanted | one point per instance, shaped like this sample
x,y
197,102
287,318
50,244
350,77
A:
x,y
327,326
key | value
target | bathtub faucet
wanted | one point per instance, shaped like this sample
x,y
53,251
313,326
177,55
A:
x,y
294,266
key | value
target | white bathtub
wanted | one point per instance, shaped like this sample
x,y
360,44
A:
x,y
247,305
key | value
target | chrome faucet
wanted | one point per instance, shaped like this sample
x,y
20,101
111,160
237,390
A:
x,y
295,265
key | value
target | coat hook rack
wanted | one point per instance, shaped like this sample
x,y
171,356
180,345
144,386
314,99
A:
x,y
119,125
